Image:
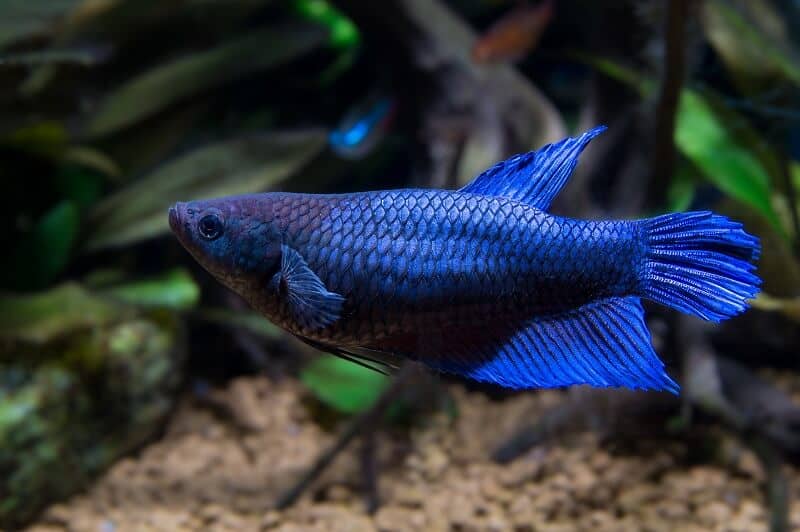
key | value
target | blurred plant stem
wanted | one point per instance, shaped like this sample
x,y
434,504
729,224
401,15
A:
x,y
664,151
364,423
778,489
791,196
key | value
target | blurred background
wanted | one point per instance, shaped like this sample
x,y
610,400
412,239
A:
x,y
138,394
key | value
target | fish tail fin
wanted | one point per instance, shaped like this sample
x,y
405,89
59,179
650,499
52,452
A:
x,y
699,263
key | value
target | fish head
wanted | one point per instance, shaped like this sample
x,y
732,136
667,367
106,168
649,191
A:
x,y
233,238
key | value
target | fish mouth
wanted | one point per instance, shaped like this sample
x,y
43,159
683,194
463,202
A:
x,y
175,216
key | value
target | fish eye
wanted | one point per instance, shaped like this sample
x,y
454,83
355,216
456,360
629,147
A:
x,y
210,226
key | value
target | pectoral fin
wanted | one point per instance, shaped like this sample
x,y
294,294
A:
x,y
309,301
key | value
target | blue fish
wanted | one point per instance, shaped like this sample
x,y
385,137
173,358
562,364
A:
x,y
480,282
362,128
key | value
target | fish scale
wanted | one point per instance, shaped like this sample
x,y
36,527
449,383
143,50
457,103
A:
x,y
435,259
481,282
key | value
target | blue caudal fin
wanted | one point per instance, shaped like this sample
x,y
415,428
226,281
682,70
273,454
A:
x,y
699,263
535,177
604,343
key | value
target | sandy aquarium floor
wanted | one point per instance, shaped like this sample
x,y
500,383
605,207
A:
x,y
219,469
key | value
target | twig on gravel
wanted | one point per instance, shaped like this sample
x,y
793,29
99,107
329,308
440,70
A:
x,y
778,492
369,468
365,421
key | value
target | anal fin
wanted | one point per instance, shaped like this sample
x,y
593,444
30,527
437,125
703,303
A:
x,y
603,343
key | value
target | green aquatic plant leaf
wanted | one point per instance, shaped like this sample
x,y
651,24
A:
x,y
77,56
175,289
44,316
149,93
50,140
681,189
789,307
242,165
21,19
719,142
343,33
44,251
711,144
46,139
251,322
753,41
343,385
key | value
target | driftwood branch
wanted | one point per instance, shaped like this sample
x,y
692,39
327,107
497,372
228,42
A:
x,y
669,95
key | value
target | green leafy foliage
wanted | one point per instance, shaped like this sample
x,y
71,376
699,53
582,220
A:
x,y
167,84
753,41
21,19
342,385
681,190
343,33
244,164
251,322
78,56
44,316
46,249
789,307
50,140
704,138
718,142
174,289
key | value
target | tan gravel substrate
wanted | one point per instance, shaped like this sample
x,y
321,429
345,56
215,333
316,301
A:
x,y
218,473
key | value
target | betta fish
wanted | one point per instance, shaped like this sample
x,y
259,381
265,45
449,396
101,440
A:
x,y
514,35
481,282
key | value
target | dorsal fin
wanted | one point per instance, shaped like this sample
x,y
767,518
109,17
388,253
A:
x,y
534,177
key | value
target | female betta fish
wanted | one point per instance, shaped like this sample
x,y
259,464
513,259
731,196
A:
x,y
480,282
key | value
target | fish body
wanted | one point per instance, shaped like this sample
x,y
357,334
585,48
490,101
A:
x,y
514,35
482,282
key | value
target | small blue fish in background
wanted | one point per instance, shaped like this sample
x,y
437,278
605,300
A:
x,y
363,127
480,282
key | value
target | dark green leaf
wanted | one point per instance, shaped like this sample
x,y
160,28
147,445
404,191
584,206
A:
x,y
343,385
711,146
20,19
250,321
45,251
789,307
238,166
167,84
46,139
720,144
681,190
50,140
41,317
79,185
752,40
175,289
79,56
343,33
